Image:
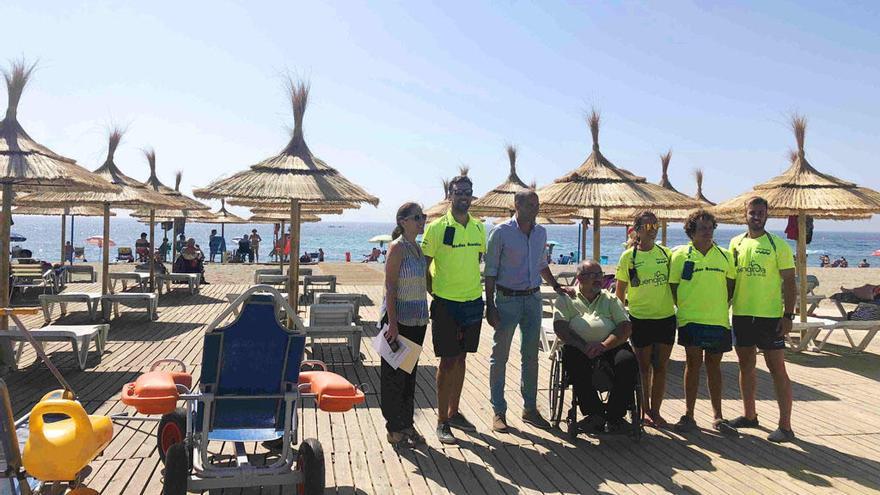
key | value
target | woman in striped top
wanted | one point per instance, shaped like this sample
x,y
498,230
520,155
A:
x,y
406,312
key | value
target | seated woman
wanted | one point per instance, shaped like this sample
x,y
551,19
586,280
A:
x,y
595,327
190,260
142,248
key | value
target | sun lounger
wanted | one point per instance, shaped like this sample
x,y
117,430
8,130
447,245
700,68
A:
x,y
566,278
137,277
317,283
32,275
79,336
333,298
124,254
265,271
871,327
232,296
805,332
271,279
145,300
192,279
48,301
88,270
335,321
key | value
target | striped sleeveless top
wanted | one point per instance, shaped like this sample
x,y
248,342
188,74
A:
x,y
412,293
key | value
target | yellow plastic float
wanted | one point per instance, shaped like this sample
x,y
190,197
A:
x,y
59,450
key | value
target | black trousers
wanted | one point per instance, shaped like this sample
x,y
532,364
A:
x,y
580,375
398,387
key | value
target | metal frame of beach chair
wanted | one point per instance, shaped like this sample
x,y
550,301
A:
x,y
872,327
335,321
337,298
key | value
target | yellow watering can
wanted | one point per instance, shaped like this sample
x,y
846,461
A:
x,y
58,450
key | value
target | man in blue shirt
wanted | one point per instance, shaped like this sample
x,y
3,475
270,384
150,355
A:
x,y
515,263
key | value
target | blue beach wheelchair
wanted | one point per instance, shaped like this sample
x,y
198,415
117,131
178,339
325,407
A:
x,y
250,387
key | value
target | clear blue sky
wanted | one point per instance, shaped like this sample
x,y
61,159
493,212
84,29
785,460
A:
x,y
403,93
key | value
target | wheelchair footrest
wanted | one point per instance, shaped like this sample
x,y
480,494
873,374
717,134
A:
x,y
155,392
334,393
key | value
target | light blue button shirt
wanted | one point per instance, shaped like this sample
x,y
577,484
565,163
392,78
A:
x,y
514,258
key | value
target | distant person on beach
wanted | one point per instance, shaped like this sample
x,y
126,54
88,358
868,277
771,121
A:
x,y
516,261
643,279
406,313
214,245
702,276
864,263
843,262
180,243
255,246
305,258
824,261
68,252
453,245
191,259
164,248
763,310
244,249
142,248
320,255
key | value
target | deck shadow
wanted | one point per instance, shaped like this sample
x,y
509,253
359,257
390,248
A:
x,y
135,328
842,358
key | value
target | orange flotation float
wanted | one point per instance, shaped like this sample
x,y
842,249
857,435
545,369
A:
x,y
333,392
155,392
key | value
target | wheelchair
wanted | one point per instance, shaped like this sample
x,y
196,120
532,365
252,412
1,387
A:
x,y
559,383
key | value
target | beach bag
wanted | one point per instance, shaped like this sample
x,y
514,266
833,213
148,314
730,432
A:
x,y
865,312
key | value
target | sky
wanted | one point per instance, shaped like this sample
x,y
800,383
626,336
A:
x,y
403,93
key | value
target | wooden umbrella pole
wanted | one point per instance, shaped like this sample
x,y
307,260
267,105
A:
x,y
223,236
583,240
4,251
293,272
105,249
281,246
596,226
802,265
63,235
663,234
151,253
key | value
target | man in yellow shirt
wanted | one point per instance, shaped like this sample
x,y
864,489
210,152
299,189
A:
x,y
452,245
702,280
763,308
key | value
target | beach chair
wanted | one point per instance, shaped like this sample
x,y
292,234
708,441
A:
x,y
566,278
26,276
334,298
124,254
313,284
79,253
870,327
249,390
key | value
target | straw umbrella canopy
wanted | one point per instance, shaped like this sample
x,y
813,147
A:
x,y
130,193
63,212
499,201
292,177
802,190
597,184
269,217
27,166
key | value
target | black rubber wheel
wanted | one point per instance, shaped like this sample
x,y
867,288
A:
x,y
176,470
172,430
310,461
557,390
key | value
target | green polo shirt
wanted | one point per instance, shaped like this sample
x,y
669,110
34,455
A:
x,y
652,299
455,270
703,298
591,321
758,282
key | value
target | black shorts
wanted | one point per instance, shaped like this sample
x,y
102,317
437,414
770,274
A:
x,y
451,339
713,339
649,332
751,331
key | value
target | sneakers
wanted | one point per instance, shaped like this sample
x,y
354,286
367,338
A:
x,y
685,424
459,421
724,427
499,423
781,435
444,434
617,425
744,422
534,418
594,423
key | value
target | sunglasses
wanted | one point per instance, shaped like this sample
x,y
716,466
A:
x,y
649,226
418,217
463,193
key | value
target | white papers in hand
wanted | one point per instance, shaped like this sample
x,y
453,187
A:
x,y
407,353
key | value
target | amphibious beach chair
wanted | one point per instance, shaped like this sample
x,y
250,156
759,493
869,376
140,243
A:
x,y
51,447
249,390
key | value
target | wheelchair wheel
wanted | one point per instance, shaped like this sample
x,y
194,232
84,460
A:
x,y
172,430
176,470
635,412
557,390
310,461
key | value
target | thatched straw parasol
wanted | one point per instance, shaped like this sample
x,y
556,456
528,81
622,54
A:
x,y
279,217
27,166
72,211
130,194
291,178
597,184
438,210
499,201
802,190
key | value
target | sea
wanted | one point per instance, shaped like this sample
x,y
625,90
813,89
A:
x,y
42,236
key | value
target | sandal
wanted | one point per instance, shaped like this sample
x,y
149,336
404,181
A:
x,y
655,419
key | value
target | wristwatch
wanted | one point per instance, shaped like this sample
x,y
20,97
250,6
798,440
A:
x,y
790,316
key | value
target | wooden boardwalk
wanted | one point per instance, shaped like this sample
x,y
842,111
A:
x,y
836,417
